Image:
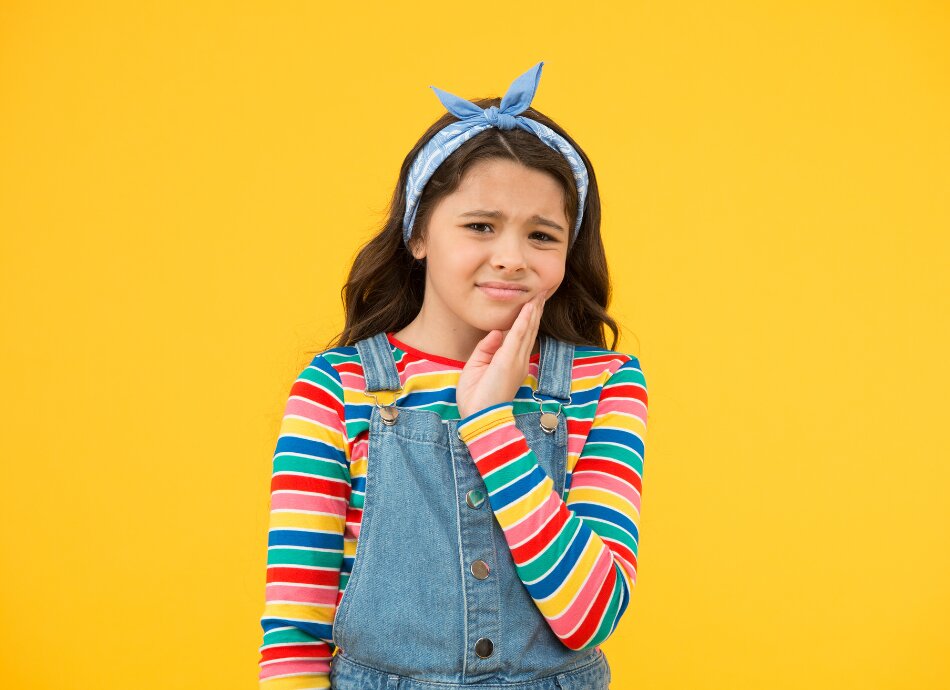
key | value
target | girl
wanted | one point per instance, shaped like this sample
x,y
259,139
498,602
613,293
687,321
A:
x,y
455,498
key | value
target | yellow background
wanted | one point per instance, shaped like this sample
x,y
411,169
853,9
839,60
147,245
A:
x,y
183,186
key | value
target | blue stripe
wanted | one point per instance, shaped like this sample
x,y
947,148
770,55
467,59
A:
x,y
518,489
607,514
309,447
555,578
304,538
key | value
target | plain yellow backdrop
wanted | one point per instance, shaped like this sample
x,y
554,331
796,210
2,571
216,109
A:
x,y
184,184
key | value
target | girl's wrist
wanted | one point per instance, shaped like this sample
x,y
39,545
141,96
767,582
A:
x,y
490,416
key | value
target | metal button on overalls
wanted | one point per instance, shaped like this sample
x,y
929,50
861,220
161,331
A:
x,y
432,594
475,498
480,569
484,647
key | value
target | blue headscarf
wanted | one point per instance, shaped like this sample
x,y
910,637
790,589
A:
x,y
472,120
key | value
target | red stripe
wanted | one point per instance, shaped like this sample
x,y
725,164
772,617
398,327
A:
x,y
621,550
315,485
317,651
302,576
580,360
317,393
624,390
542,539
596,613
611,467
579,427
502,456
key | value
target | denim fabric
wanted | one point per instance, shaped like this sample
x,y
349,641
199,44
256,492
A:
x,y
412,610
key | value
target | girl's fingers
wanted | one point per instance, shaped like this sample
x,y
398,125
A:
x,y
539,310
531,327
519,339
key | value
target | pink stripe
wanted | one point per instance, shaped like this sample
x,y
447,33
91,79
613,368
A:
x,y
424,366
516,534
480,446
575,444
314,412
626,566
583,371
282,500
360,446
352,380
563,625
303,595
279,668
593,480
617,405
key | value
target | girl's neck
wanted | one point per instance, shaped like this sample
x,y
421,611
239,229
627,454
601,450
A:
x,y
453,344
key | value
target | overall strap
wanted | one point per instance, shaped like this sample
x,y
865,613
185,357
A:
x,y
555,369
379,367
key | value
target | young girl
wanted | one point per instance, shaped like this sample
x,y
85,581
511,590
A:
x,y
455,499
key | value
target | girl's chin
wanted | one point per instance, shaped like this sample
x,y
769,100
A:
x,y
487,325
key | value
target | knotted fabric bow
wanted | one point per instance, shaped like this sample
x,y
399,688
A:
x,y
472,120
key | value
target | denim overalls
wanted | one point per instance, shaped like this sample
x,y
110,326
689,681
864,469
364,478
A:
x,y
434,601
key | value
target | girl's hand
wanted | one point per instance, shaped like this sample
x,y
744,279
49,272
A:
x,y
499,364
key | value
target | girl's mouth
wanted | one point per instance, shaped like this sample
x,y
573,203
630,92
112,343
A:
x,y
502,293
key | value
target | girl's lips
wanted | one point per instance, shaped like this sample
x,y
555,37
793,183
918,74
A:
x,y
502,293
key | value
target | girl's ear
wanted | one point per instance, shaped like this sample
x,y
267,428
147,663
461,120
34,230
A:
x,y
418,249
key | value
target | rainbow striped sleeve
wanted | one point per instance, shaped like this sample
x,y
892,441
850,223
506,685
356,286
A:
x,y
310,488
577,557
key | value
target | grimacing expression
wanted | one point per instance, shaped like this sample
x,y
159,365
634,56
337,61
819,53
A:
x,y
504,225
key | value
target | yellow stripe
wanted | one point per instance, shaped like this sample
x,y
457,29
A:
x,y
422,383
586,383
323,523
525,505
358,468
480,425
296,426
303,682
616,420
603,497
353,396
315,613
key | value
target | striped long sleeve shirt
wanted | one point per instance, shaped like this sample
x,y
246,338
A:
x,y
576,553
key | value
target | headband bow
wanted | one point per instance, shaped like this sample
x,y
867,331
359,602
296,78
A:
x,y
472,120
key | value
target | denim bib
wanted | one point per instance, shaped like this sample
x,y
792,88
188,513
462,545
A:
x,y
433,601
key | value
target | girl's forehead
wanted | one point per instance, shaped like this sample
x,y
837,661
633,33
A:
x,y
508,183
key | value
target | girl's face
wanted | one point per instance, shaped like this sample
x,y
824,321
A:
x,y
492,245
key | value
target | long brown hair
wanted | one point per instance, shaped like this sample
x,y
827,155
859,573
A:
x,y
386,284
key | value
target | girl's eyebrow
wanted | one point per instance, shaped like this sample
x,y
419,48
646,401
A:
x,y
540,220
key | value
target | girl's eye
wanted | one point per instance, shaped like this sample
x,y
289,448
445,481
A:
x,y
543,235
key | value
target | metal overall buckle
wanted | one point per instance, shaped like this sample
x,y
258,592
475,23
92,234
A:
x,y
388,413
549,420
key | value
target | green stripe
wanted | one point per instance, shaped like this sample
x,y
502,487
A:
x,y
509,472
608,622
533,571
317,467
289,636
309,557
621,454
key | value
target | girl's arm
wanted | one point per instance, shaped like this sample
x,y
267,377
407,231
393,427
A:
x,y
310,489
577,557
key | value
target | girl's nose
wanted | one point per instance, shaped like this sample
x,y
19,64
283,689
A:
x,y
509,255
